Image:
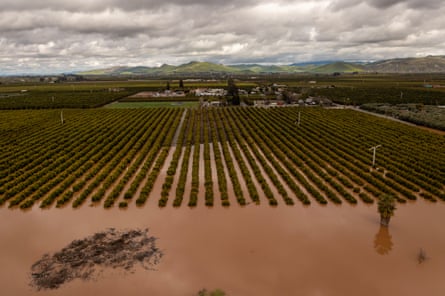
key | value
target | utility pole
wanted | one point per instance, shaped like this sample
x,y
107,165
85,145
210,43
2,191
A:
x,y
373,153
297,122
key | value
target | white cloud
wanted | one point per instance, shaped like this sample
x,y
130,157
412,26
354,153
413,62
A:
x,y
52,35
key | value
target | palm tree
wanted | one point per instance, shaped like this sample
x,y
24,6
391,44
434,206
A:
x,y
386,208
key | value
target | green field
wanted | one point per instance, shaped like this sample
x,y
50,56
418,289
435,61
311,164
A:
x,y
230,156
91,94
345,89
170,104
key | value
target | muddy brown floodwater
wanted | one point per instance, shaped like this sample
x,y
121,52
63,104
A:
x,y
256,250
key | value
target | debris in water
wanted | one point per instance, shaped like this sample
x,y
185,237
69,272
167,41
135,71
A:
x,y
421,256
84,259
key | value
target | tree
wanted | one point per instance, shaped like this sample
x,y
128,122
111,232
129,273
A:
x,y
181,83
232,92
287,97
386,207
167,87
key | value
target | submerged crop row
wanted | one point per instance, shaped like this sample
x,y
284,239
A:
x,y
226,156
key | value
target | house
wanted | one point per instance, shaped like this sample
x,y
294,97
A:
x,y
259,103
215,103
207,104
211,92
115,89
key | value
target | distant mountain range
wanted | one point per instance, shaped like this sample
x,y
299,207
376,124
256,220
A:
x,y
429,64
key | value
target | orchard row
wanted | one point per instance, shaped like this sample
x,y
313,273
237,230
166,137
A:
x,y
225,156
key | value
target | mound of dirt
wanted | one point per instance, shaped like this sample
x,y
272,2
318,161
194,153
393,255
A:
x,y
85,259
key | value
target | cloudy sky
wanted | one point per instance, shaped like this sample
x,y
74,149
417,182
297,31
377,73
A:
x,y
42,36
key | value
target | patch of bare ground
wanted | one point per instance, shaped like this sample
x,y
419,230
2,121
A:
x,y
84,259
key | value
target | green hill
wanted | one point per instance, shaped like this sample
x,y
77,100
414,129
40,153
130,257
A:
x,y
108,71
429,64
340,67
192,67
255,68
203,67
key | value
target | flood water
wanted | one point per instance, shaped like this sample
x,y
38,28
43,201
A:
x,y
256,250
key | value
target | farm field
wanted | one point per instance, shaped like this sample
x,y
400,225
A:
x,y
172,104
175,157
243,200
91,94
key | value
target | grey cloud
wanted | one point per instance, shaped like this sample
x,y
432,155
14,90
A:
x,y
128,5
51,34
418,4
385,4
